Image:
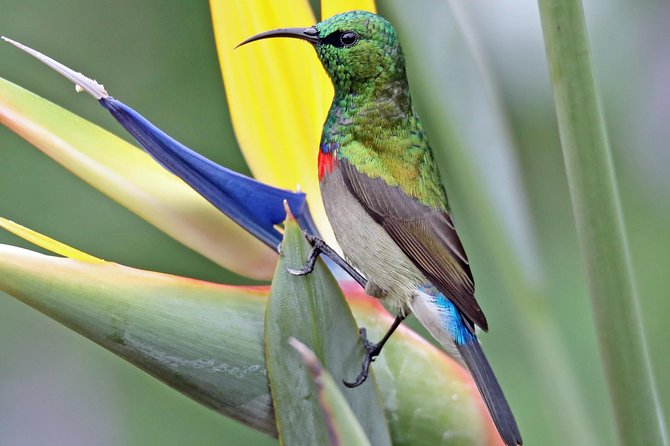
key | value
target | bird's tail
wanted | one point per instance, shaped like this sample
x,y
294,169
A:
x,y
443,320
488,386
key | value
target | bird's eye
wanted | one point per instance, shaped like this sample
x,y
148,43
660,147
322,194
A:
x,y
341,39
348,38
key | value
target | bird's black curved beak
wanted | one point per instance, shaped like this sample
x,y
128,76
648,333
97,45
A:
x,y
309,34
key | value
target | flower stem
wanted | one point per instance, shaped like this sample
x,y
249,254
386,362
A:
x,y
600,225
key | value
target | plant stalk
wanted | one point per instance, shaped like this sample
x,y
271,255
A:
x,y
600,226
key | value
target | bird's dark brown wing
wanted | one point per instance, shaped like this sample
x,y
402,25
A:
x,y
426,235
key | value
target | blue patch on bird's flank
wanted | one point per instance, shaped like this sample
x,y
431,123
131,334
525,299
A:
x,y
255,206
452,320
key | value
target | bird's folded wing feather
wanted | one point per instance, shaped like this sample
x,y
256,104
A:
x,y
426,235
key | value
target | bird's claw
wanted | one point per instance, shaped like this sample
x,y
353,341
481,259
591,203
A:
x,y
308,267
320,247
372,350
300,271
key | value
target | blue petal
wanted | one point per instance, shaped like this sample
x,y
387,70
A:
x,y
255,206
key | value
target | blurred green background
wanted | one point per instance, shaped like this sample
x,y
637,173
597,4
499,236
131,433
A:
x,y
159,57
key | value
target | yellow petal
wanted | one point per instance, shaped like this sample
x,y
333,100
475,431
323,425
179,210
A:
x,y
331,7
276,94
46,242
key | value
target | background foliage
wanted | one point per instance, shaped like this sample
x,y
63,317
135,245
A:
x,y
159,57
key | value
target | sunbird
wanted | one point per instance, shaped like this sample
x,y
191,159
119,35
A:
x,y
385,200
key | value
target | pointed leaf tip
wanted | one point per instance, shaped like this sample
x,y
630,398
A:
x,y
343,427
287,208
307,356
46,242
255,206
82,83
132,178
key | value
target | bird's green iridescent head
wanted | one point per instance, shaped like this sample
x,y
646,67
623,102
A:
x,y
357,49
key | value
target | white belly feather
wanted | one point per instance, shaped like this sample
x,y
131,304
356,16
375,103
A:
x,y
391,274
368,247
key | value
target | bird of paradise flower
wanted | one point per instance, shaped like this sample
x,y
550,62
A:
x,y
291,117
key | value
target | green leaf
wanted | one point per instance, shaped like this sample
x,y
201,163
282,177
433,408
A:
x,y
600,226
343,427
311,308
132,178
206,341
202,339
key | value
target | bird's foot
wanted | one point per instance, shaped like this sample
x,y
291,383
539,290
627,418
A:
x,y
372,350
320,247
317,249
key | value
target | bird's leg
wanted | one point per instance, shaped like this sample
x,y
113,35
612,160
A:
x,y
373,350
320,247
